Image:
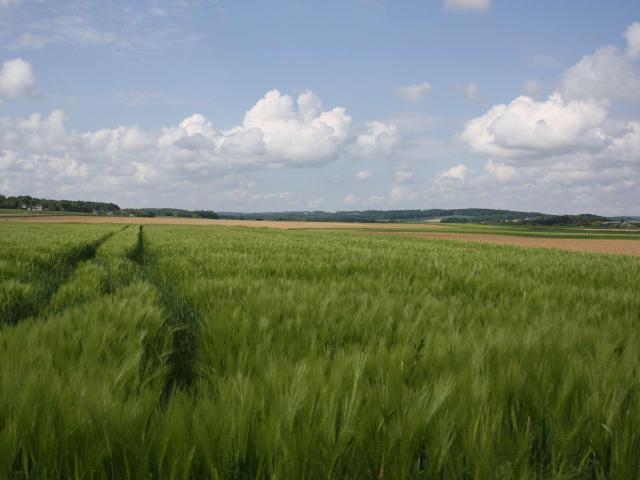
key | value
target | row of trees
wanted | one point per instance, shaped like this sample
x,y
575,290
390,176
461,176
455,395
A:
x,y
79,206
459,215
169,212
465,215
582,220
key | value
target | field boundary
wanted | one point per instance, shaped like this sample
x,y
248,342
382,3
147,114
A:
x,y
277,224
586,245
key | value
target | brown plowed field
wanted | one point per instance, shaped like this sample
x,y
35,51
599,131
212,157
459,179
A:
x,y
621,247
284,225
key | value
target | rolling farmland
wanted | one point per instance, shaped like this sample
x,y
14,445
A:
x,y
203,351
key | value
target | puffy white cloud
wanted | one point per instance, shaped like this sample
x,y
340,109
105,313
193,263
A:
x,y
568,184
378,139
529,128
570,140
626,146
566,153
607,74
414,93
277,132
569,146
457,172
298,132
467,5
363,175
470,91
633,40
575,120
532,88
17,79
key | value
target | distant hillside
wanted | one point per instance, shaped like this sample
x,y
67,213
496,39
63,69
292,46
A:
x,y
461,215
446,215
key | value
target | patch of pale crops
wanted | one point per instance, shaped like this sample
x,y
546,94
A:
x,y
208,352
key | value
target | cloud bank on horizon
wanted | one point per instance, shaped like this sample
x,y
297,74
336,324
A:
x,y
568,143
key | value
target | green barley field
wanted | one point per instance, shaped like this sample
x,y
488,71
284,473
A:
x,y
177,352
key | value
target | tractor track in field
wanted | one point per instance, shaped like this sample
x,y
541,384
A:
x,y
53,274
182,322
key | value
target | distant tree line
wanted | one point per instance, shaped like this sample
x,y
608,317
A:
x,y
581,220
458,215
80,206
463,215
169,212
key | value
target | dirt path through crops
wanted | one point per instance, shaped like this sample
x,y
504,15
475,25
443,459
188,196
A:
x,y
621,247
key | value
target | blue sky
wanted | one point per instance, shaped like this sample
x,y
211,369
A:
x,y
431,103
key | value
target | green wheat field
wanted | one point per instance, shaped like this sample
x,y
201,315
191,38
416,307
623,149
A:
x,y
177,352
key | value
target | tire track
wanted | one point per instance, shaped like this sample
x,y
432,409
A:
x,y
182,321
49,275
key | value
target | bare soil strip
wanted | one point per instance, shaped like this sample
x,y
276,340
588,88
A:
x,y
284,225
620,247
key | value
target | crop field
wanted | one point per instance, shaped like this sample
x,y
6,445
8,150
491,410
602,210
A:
x,y
177,351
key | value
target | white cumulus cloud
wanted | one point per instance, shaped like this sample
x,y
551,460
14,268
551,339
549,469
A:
x,y
526,127
633,40
378,139
40,153
457,172
607,74
17,79
568,149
